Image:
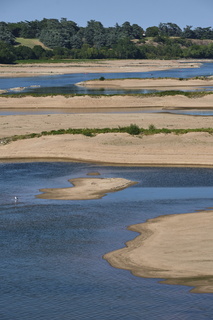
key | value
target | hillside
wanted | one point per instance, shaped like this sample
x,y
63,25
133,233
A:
x,y
30,43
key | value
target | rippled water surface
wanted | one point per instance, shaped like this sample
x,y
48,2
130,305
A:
x,y
67,83
51,263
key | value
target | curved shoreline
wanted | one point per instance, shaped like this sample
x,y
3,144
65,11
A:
x,y
181,255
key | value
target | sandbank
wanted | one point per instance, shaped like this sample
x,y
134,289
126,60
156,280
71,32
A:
x,y
155,84
86,189
107,111
96,66
191,149
178,248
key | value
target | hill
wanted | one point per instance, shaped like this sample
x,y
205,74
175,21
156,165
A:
x,y
30,43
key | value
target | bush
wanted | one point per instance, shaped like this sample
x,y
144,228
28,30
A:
x,y
152,127
133,129
101,78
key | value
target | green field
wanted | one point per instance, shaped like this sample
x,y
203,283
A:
x,y
30,43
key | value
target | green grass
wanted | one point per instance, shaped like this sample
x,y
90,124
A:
x,y
196,94
133,129
30,43
78,61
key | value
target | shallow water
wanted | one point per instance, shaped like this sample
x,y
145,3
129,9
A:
x,y
51,251
67,83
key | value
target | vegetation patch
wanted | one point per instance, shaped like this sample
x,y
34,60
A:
x,y
133,129
196,94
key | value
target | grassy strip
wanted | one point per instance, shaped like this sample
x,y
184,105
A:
x,y
133,129
196,94
52,61
152,78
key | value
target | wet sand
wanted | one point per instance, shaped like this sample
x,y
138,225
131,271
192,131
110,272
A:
x,y
178,248
86,189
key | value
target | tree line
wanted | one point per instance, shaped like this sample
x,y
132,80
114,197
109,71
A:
x,y
65,39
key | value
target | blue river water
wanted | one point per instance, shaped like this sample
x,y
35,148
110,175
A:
x,y
67,83
51,263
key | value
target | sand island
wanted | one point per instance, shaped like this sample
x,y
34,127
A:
x,y
86,189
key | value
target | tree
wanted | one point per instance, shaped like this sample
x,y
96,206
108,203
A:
x,y
188,32
5,34
125,49
30,29
94,34
39,52
24,53
6,53
137,32
170,29
152,31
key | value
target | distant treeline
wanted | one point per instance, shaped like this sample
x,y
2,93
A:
x,y
66,40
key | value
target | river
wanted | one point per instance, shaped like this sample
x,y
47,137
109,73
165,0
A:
x,y
51,251
51,263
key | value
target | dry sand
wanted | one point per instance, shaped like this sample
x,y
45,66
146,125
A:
x,y
86,189
178,248
191,149
97,66
82,104
158,84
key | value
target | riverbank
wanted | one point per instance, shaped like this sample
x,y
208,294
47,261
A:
x,y
116,103
182,254
191,149
96,66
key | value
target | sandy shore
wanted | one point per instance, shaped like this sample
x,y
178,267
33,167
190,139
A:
x,y
82,104
96,66
178,248
86,189
158,84
191,149
99,112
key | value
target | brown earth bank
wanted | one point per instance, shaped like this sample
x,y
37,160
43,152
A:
x,y
178,248
96,66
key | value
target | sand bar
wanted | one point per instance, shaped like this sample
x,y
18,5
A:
x,y
158,84
82,104
99,112
178,248
96,66
25,124
86,189
191,149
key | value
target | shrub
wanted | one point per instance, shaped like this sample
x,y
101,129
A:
x,y
152,127
133,129
101,78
